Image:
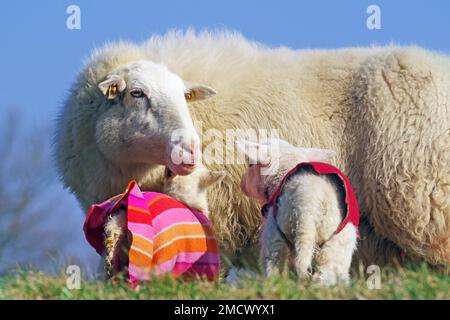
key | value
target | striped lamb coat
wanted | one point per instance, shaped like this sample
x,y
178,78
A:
x,y
167,236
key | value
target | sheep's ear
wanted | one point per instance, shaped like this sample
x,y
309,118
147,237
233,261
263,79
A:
x,y
256,153
195,91
316,154
211,177
112,86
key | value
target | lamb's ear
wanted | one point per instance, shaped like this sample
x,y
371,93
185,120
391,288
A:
x,y
211,177
196,91
316,154
112,86
256,153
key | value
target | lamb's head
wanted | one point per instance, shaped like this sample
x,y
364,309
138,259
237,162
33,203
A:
x,y
191,189
145,118
269,161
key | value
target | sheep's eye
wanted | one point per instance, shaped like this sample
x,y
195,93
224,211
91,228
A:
x,y
189,96
137,93
250,165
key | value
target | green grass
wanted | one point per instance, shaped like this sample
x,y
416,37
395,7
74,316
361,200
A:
x,y
421,282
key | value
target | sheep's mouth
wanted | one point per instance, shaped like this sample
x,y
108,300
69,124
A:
x,y
181,169
181,161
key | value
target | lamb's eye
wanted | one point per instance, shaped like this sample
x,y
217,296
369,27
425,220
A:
x,y
169,173
137,93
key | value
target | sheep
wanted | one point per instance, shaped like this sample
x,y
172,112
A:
x,y
310,212
383,109
190,190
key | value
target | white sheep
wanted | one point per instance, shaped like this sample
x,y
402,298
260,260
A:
x,y
308,213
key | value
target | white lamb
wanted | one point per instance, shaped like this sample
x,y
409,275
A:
x,y
190,189
306,216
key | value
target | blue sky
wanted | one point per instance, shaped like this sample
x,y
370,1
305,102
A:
x,y
39,50
40,56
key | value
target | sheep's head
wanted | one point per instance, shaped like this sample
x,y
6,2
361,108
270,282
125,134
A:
x,y
145,118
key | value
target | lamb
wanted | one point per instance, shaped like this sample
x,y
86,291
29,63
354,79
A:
x,y
383,109
308,213
123,242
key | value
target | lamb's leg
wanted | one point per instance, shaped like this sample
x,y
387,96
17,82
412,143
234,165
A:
x,y
115,232
335,257
273,247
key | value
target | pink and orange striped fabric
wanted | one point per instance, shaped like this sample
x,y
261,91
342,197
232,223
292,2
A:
x,y
167,235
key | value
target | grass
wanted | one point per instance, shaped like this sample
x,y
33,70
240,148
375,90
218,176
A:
x,y
420,282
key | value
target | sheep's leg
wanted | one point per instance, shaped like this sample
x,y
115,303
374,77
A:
x,y
305,242
273,247
335,257
115,231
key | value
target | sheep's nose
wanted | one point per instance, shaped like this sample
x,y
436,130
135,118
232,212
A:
x,y
192,152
